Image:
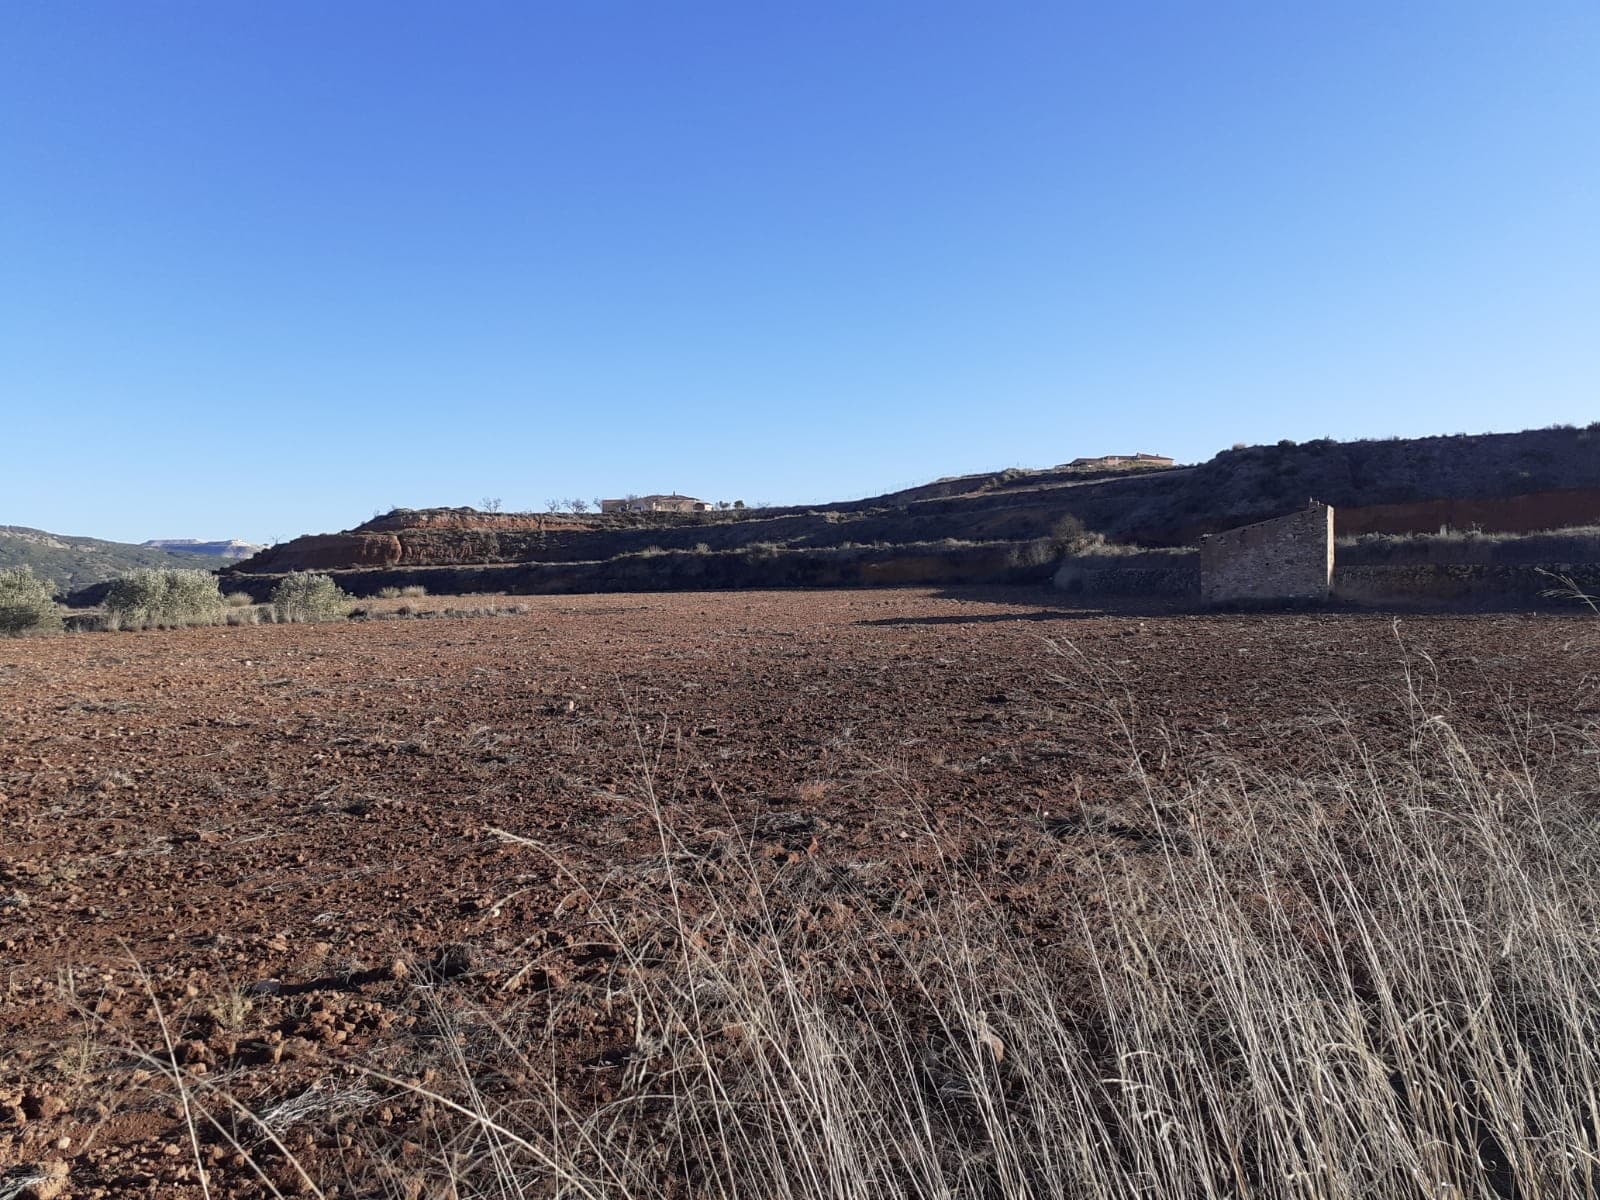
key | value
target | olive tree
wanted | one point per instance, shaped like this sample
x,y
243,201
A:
x,y
26,605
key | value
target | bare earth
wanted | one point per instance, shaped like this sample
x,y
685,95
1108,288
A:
x,y
283,834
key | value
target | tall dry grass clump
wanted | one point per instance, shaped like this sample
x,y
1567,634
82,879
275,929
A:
x,y
1378,979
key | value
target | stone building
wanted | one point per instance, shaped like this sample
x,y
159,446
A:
x,y
1287,558
1123,460
658,503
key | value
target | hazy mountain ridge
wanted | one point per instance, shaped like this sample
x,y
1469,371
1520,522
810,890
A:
x,y
70,562
232,548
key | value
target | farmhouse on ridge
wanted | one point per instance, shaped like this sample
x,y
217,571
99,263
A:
x,y
669,503
1123,460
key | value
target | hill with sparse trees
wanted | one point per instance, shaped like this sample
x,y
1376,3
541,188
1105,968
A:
x,y
70,563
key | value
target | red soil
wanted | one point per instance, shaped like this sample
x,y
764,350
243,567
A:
x,y
288,827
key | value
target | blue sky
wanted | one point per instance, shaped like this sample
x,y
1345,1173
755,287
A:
x,y
268,267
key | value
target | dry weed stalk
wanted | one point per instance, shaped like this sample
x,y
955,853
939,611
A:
x,y
1381,980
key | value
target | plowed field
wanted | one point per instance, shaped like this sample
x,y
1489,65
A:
x,y
277,839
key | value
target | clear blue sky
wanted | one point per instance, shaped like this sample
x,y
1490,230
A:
x,y
267,267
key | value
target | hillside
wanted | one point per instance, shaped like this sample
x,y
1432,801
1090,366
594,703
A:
x,y
1541,479
70,563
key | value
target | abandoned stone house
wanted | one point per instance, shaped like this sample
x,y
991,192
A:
x,y
1286,558
657,503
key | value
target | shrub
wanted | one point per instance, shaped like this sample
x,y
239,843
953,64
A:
x,y
26,605
1036,552
389,593
1069,535
413,589
149,597
237,600
308,597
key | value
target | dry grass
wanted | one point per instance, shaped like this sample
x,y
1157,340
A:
x,y
233,613
1377,979
239,611
1577,544
1381,981
1564,587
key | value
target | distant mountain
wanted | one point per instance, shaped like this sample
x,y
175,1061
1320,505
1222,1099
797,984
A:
x,y
231,549
75,562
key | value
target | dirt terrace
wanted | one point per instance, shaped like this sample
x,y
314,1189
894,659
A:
x,y
292,830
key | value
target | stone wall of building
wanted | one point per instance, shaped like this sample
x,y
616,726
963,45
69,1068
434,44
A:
x,y
1288,558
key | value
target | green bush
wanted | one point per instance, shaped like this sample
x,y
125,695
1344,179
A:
x,y
308,597
154,597
26,605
